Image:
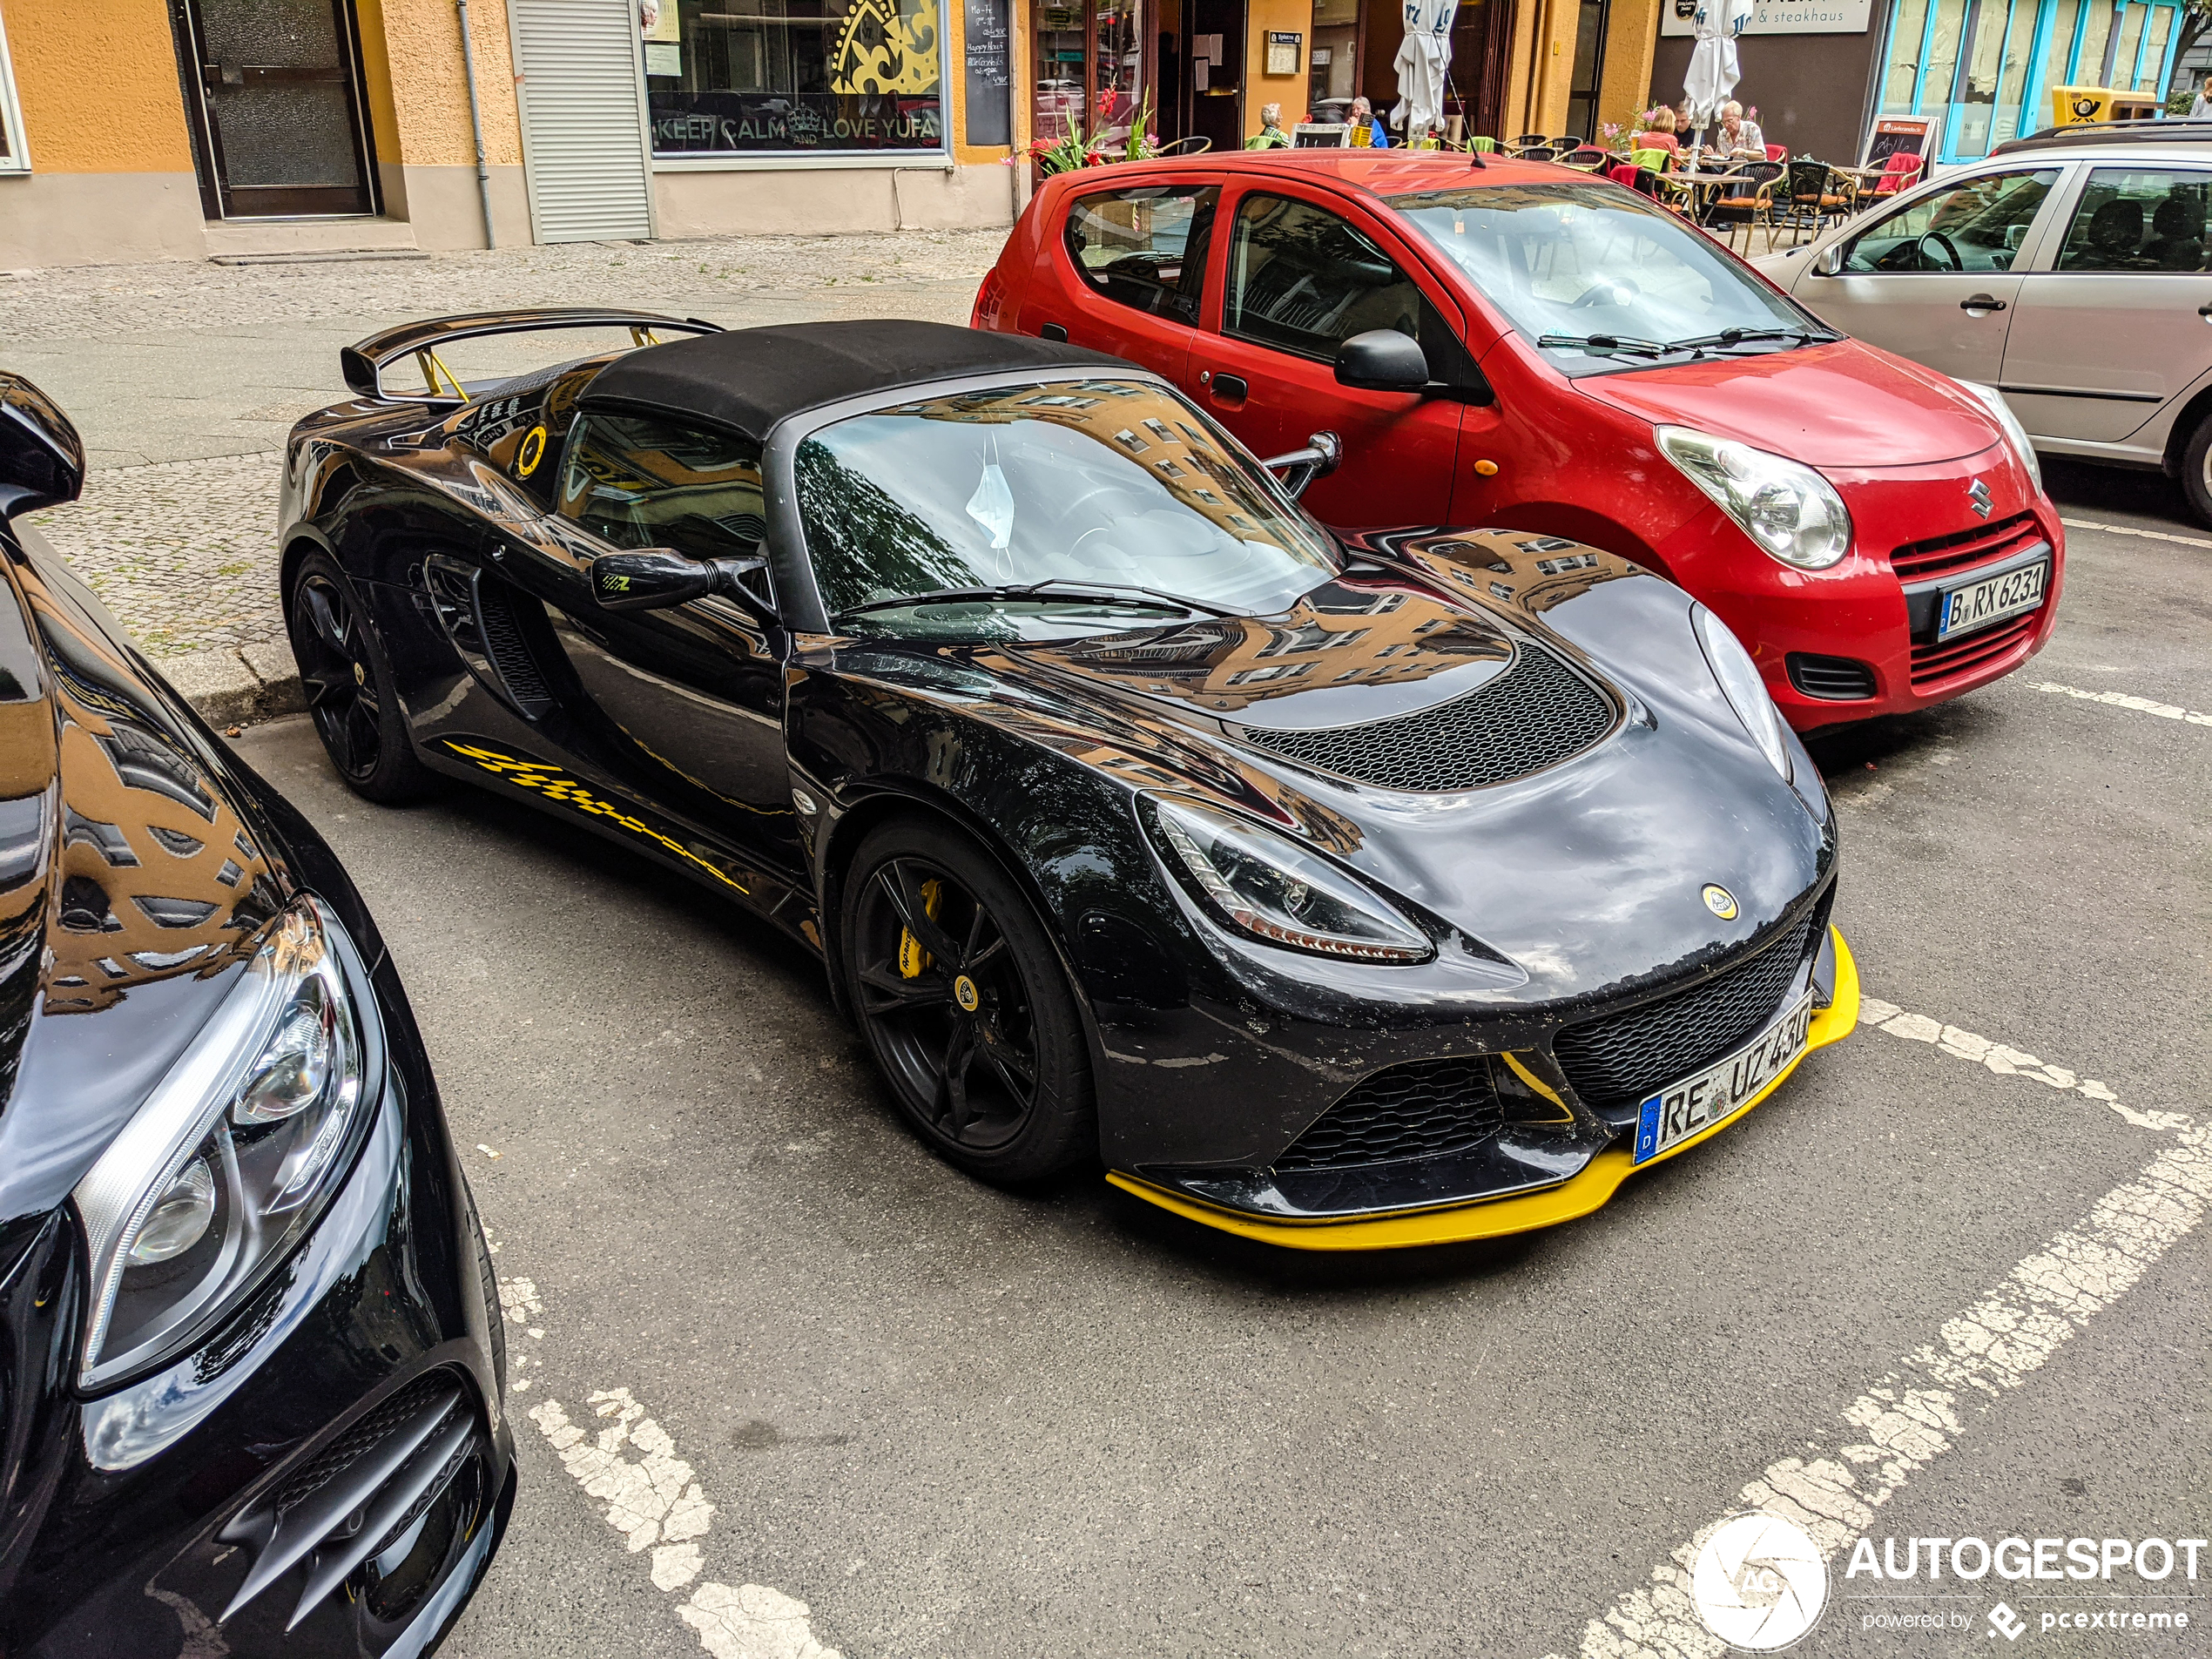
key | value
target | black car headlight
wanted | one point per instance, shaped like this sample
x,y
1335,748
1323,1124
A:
x,y
1272,889
234,1154
1738,678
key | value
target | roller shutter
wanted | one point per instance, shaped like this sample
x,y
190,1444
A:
x,y
582,93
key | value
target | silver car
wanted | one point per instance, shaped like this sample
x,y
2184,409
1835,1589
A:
x,y
2069,272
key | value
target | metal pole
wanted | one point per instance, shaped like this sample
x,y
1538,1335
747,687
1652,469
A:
x,y
476,122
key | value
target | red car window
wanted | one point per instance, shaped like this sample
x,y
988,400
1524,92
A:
x,y
1303,280
1145,246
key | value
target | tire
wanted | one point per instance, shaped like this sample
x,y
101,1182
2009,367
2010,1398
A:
x,y
964,1002
349,687
2197,464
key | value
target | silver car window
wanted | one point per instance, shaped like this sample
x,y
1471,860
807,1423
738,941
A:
x,y
2139,219
1978,224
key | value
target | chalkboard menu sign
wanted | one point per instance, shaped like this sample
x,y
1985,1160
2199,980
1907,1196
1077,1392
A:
x,y
990,108
1909,135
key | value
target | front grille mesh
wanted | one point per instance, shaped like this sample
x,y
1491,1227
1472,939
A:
x,y
1535,714
1962,549
1621,1058
1421,1109
362,1437
1934,664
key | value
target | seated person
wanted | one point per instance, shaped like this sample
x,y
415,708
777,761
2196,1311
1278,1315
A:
x,y
1367,129
1658,132
1271,135
1739,138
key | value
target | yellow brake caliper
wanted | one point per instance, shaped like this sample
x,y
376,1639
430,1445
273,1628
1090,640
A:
x,y
912,959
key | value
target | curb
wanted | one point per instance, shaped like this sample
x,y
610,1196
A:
x,y
239,684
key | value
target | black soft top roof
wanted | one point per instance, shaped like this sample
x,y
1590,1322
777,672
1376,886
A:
x,y
749,379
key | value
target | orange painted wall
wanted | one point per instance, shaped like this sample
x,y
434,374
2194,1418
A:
x,y
98,83
1289,17
418,88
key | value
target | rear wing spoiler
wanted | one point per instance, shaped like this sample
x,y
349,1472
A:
x,y
363,364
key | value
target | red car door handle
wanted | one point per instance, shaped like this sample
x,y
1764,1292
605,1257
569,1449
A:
x,y
1981,302
1053,331
1231,387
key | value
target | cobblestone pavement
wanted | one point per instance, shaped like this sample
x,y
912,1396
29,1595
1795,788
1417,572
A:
x,y
105,300
158,362
182,551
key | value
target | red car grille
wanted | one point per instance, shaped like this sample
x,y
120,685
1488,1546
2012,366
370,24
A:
x,y
1934,664
1939,554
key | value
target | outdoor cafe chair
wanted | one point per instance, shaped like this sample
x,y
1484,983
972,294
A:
x,y
1750,201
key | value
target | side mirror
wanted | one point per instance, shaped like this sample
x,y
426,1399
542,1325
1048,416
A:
x,y
1382,360
1323,455
655,577
1830,262
42,459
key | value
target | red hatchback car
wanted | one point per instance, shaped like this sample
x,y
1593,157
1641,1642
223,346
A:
x,y
1589,366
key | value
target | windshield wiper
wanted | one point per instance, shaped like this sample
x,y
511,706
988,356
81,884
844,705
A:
x,y
1051,587
1738,336
1606,342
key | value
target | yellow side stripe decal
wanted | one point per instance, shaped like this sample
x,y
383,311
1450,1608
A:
x,y
555,785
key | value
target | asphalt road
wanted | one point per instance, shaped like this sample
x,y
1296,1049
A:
x,y
951,1422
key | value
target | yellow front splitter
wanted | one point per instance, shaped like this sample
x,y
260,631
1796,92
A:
x,y
1493,1218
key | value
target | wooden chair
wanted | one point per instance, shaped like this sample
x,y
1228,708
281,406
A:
x,y
1750,201
1588,158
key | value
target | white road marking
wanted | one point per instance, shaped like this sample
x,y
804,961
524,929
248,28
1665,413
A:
x,y
1914,1414
656,1502
2129,530
2123,700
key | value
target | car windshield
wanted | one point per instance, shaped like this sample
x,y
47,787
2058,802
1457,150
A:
x,y
1599,278
1115,494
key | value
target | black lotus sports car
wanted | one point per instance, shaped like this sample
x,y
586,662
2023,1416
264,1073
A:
x,y
1342,895
251,1356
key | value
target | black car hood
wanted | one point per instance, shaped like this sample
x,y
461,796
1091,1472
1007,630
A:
x,y
129,885
1589,874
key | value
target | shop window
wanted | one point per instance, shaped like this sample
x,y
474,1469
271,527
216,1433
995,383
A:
x,y
2139,220
2154,39
1089,72
1145,247
1334,60
14,157
1303,280
1589,65
1977,225
795,76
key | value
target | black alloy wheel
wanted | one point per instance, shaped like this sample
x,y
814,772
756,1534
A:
x,y
964,1006
350,688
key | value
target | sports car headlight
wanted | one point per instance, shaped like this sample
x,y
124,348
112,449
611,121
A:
x,y
1274,889
2014,431
232,1157
1740,682
1792,512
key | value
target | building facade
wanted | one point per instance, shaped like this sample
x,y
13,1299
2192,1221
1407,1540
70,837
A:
x,y
183,128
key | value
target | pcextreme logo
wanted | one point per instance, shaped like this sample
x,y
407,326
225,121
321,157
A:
x,y
1760,1582
555,785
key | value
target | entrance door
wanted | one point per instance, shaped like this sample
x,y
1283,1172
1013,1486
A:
x,y
278,120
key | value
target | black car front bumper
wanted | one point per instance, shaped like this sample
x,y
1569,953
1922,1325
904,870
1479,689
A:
x,y
329,1475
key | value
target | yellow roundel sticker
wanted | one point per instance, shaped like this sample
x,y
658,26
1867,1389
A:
x,y
1720,902
965,993
531,453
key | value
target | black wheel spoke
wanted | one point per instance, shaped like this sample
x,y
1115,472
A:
x,y
324,688
1013,1067
323,617
959,1054
360,737
904,894
894,991
984,958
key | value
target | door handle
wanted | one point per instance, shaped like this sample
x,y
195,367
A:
x,y
1232,387
2205,312
1053,331
1981,302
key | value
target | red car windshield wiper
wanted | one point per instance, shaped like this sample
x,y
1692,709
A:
x,y
1050,588
1738,336
1605,343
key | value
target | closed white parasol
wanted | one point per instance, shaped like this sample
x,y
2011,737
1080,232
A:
x,y
1712,62
1424,59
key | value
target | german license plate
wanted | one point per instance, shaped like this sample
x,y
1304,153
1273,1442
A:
x,y
1717,1093
1960,611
